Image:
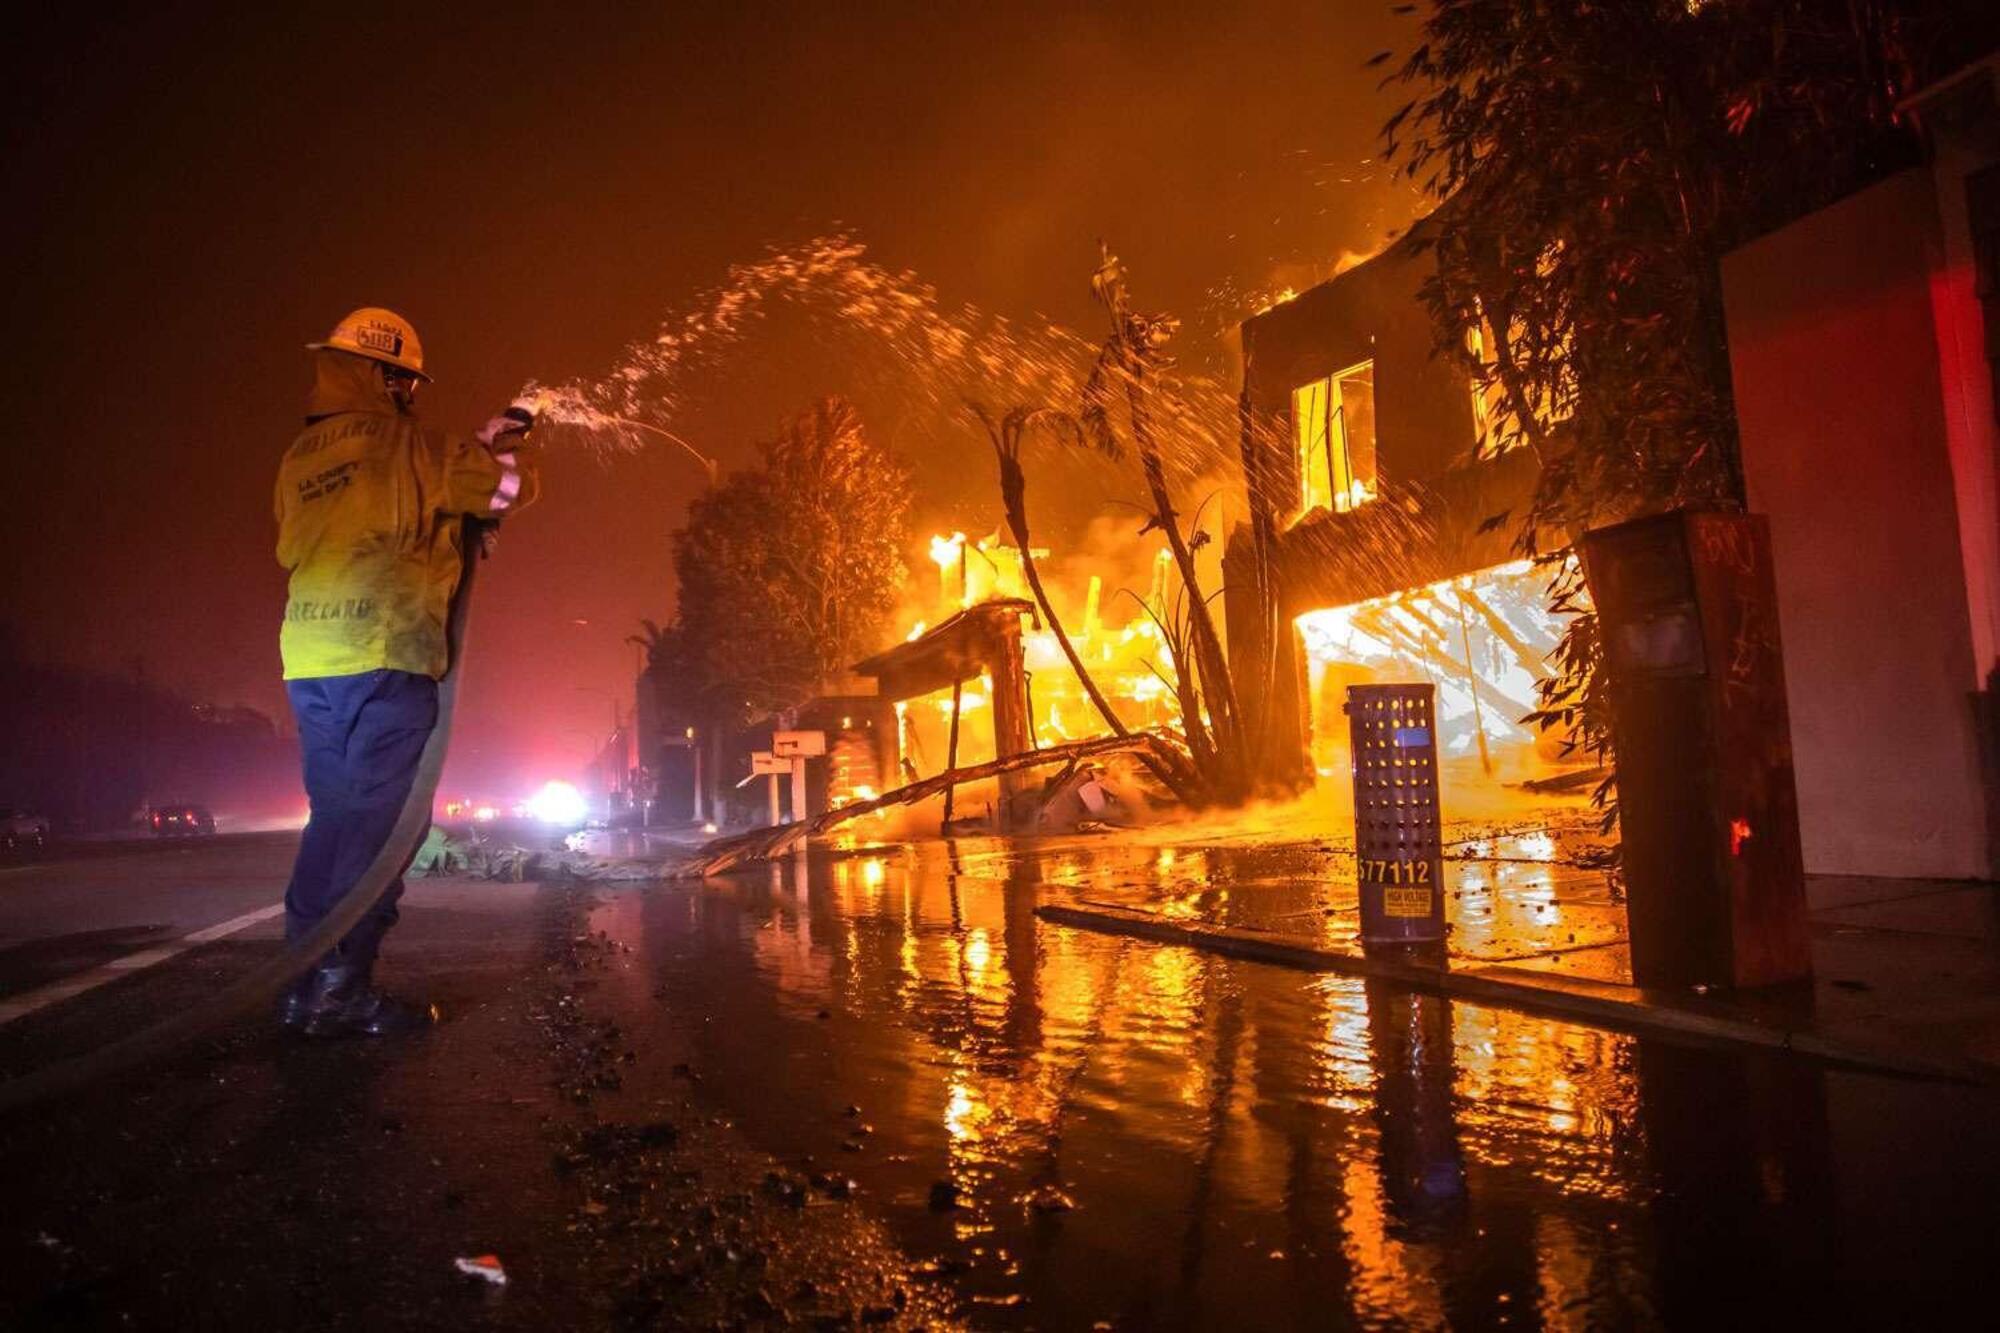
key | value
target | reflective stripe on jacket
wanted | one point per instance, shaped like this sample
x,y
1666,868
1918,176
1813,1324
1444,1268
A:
x,y
368,506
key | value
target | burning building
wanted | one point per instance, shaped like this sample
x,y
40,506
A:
x,y
1372,551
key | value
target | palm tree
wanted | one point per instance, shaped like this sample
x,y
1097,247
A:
x,y
1008,433
1132,358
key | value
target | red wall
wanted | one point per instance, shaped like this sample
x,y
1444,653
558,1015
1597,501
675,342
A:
x,y
1834,350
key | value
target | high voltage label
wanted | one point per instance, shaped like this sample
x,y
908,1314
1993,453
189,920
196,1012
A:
x,y
1406,902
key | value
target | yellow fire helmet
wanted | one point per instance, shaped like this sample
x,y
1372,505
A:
x,y
380,335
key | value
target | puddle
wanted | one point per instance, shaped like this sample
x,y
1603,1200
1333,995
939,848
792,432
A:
x,y
1147,1136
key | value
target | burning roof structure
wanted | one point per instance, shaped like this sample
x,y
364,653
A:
x,y
982,642
982,649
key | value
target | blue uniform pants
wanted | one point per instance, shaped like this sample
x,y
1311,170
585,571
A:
x,y
360,737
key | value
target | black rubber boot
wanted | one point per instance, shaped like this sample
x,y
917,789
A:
x,y
295,1004
344,1002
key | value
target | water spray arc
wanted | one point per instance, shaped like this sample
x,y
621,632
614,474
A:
x,y
936,354
711,466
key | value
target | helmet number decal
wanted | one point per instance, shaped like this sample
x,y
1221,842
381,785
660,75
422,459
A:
x,y
379,338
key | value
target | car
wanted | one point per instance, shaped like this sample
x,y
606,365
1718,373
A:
x,y
180,820
22,828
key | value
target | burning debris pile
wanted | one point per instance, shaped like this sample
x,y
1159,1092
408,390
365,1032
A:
x,y
1129,403
1126,659
1483,639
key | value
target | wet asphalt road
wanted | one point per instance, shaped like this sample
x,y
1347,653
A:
x,y
83,904
874,1089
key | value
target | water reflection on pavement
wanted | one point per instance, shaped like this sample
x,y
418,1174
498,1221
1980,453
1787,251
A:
x,y
1149,1136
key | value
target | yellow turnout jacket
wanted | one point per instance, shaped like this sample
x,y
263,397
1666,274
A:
x,y
369,504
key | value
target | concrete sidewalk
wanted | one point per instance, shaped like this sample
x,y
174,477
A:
x,y
1907,972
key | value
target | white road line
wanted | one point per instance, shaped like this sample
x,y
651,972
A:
x,y
70,987
233,924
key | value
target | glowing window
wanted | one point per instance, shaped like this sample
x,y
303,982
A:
x,y
1494,425
1487,406
1333,423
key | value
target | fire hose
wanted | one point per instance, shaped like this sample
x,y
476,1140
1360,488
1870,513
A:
x,y
260,986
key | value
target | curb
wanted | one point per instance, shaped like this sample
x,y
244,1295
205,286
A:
x,y
1513,988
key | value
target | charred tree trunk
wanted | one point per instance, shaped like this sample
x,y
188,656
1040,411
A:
x,y
1007,434
1111,719
951,750
1130,355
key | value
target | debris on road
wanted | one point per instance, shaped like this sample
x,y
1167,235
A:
x,y
1082,799
486,1266
511,863
725,854
1048,1199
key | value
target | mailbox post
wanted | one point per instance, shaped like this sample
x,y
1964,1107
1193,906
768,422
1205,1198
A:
x,y
795,747
765,764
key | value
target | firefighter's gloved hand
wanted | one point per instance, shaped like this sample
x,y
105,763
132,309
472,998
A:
x,y
498,428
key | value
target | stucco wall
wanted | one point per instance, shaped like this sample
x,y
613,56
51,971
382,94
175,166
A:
x,y
1834,350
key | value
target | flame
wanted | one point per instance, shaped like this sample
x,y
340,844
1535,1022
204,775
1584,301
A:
x,y
1129,659
948,551
1276,299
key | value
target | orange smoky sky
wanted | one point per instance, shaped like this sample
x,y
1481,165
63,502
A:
x,y
195,192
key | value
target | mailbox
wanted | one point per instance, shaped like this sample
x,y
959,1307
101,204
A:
x,y
798,744
1688,617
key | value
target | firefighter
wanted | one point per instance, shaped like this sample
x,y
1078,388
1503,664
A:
x,y
371,508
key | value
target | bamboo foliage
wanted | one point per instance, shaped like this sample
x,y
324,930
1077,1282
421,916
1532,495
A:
x,y
1593,163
